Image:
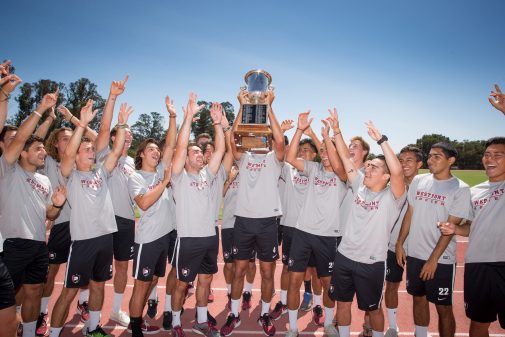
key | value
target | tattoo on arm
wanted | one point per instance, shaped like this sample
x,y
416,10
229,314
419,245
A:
x,y
351,170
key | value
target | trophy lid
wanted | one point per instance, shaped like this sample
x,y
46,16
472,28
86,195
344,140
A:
x,y
258,71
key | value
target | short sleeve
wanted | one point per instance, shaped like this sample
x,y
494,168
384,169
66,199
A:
x,y
135,186
462,203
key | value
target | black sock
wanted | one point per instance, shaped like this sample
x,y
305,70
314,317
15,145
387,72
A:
x,y
308,286
136,325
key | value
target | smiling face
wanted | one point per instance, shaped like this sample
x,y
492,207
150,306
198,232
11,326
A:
x,y
306,152
494,162
150,157
34,156
410,165
62,141
376,174
357,151
194,159
85,157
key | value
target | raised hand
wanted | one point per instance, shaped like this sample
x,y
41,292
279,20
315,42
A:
x,y
242,97
124,113
65,113
117,87
287,124
167,174
49,100
373,132
325,130
52,114
59,196
170,106
216,112
270,96
191,108
9,83
497,99
224,121
5,68
333,118
87,113
303,120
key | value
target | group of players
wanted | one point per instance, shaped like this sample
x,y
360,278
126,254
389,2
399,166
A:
x,y
347,224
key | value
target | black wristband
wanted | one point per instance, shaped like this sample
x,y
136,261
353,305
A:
x,y
383,139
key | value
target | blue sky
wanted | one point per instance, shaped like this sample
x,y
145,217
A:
x,y
413,68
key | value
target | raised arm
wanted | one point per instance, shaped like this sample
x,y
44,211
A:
x,y
146,200
231,177
287,124
216,113
8,83
26,129
181,149
497,99
277,134
242,96
117,147
228,156
291,156
58,200
67,115
333,157
312,135
169,148
68,160
397,179
46,124
116,89
342,149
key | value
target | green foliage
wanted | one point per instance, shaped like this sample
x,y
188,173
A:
x,y
147,126
78,93
204,122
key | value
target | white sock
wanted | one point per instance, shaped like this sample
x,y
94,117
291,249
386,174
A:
x,y
293,320
421,331
154,293
55,332
44,302
328,316
248,287
202,314
344,330
84,296
284,297
228,286
29,328
168,303
176,318
392,318
377,333
118,298
265,307
317,300
234,306
94,319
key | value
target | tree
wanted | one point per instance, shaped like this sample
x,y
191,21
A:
x,y
426,141
470,154
204,122
78,93
147,126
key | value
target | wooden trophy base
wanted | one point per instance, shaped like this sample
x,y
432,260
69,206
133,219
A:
x,y
256,138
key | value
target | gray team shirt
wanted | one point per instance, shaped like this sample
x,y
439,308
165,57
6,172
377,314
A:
x,y
396,229
217,189
487,232
51,169
195,203
258,196
372,217
24,199
92,213
295,189
230,204
433,201
345,207
320,211
118,184
159,219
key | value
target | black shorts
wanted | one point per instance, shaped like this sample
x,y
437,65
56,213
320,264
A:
x,y
366,280
89,259
124,239
280,230
26,260
7,293
171,239
255,233
150,259
287,238
227,246
484,292
437,290
58,244
195,256
394,273
304,245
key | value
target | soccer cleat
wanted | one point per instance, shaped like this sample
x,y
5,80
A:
x,y
391,333
317,315
331,331
307,302
266,323
42,328
206,329
83,310
210,318
146,328
178,332
152,308
279,310
246,300
367,332
98,332
167,320
232,322
120,317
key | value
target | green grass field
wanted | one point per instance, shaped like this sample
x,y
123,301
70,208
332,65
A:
x,y
471,177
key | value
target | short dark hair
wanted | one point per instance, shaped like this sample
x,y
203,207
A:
x,y
142,146
310,142
415,150
32,139
286,140
6,129
383,158
202,135
447,148
495,141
